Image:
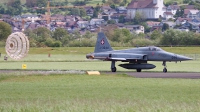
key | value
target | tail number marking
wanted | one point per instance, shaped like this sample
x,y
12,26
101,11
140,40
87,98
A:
x,y
104,47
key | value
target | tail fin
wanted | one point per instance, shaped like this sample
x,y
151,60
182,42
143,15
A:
x,y
102,43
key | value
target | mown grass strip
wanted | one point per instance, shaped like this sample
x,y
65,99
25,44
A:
x,y
98,93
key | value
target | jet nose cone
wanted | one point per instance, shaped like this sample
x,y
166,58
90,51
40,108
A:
x,y
183,58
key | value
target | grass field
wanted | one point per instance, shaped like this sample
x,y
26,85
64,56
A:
x,y
85,50
189,66
42,93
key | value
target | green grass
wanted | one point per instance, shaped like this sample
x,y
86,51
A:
x,y
97,93
187,66
85,50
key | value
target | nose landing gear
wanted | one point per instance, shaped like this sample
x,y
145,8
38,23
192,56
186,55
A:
x,y
165,66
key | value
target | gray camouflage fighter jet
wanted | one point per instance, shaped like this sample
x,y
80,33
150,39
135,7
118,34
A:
x,y
136,58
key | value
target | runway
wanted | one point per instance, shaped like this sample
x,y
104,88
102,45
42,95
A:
x,y
160,75
133,74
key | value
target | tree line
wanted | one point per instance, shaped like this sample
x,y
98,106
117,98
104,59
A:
x,y
43,37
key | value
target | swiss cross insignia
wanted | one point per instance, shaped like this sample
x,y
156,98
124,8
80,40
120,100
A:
x,y
102,42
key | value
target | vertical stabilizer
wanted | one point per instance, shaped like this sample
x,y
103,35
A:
x,y
102,43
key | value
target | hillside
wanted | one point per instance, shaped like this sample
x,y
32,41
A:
x,y
93,1
5,1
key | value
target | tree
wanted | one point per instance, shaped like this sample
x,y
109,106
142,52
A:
x,y
41,3
66,2
57,44
2,10
179,13
103,1
165,27
114,2
59,33
121,19
121,35
88,34
192,3
168,3
14,7
95,14
82,12
78,3
146,27
42,34
170,37
186,1
112,6
49,42
139,18
75,11
111,22
156,34
31,3
5,30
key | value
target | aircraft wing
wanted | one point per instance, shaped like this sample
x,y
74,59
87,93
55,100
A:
x,y
117,56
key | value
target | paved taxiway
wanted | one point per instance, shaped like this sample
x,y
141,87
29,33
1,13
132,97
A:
x,y
160,75
134,74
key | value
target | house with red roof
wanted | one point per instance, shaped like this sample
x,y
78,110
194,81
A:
x,y
151,9
181,21
168,15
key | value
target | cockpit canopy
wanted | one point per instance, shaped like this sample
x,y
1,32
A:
x,y
153,48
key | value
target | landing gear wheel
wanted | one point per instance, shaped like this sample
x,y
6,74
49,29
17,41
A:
x,y
165,70
114,69
165,67
139,70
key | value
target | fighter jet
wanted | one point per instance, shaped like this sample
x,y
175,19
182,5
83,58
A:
x,y
135,58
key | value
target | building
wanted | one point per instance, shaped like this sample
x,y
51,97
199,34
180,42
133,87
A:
x,y
121,9
173,9
96,21
192,14
135,28
152,23
181,21
30,17
151,9
186,29
168,15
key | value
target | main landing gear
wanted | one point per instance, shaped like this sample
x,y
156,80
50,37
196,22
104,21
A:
x,y
139,70
113,68
165,67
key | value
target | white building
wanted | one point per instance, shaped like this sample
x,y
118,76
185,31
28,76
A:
x,y
30,17
192,14
83,24
173,9
96,21
168,15
134,28
151,9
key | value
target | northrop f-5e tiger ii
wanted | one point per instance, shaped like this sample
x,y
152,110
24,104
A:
x,y
135,58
